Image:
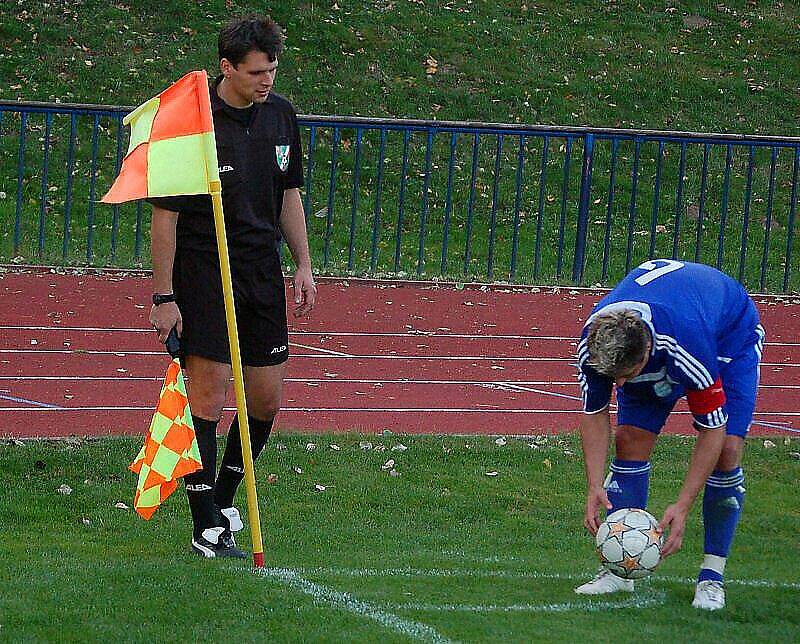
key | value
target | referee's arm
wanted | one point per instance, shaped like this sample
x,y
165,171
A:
x,y
162,252
293,227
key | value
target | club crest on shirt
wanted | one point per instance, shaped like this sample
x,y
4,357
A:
x,y
282,155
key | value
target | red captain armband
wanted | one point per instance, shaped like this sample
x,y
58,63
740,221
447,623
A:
x,y
704,401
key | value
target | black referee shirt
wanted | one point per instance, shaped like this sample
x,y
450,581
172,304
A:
x,y
259,155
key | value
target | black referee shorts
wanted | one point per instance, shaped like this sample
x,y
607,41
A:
x,y
260,297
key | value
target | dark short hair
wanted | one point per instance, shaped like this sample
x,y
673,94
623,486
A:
x,y
251,33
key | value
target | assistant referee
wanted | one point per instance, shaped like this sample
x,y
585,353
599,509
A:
x,y
260,165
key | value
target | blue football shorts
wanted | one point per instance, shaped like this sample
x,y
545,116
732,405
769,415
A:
x,y
739,376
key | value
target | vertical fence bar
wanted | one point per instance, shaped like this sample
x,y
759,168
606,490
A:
x,y
517,202
679,201
376,219
787,267
748,192
773,161
115,209
564,194
537,253
92,185
20,176
723,217
73,127
312,144
495,196
612,185
401,204
702,208
45,170
448,201
471,204
583,210
637,149
423,219
656,201
354,200
331,197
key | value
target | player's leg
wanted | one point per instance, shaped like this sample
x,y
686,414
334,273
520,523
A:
x,y
628,481
207,383
263,389
264,340
723,498
198,291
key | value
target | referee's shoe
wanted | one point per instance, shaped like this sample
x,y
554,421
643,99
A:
x,y
217,542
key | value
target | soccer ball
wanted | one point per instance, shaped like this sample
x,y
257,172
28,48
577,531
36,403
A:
x,y
629,544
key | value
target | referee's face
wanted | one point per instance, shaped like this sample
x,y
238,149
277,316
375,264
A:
x,y
251,80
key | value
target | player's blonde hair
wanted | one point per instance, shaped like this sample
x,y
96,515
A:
x,y
617,342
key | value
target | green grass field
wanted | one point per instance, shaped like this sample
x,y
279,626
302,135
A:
x,y
726,67
440,552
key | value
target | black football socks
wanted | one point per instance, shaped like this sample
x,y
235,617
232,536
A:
x,y
231,471
200,484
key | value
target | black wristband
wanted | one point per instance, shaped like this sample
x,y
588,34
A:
x,y
159,298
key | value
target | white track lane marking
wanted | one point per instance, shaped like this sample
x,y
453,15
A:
x,y
321,350
510,574
122,354
366,334
351,410
345,601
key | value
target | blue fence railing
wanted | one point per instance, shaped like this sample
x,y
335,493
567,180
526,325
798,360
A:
x,y
517,203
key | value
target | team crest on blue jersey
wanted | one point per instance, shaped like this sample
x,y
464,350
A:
x,y
282,155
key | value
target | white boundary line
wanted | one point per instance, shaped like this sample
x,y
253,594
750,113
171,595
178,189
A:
x,y
642,600
508,574
321,350
369,334
345,601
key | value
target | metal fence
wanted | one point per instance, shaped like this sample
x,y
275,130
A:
x,y
435,199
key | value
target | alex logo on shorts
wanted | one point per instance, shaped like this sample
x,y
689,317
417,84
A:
x,y
282,155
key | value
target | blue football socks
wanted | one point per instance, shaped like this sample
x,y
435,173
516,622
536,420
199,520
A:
x,y
628,484
722,507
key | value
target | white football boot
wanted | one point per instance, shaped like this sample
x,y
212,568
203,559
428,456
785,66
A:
x,y
709,595
605,582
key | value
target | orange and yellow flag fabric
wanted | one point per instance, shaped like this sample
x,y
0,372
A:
x,y
170,448
172,150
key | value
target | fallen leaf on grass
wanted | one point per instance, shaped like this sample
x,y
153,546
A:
x,y
399,448
500,441
491,473
320,488
121,506
64,489
272,479
546,462
388,464
365,445
769,444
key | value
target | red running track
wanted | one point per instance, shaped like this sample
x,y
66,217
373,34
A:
x,y
77,356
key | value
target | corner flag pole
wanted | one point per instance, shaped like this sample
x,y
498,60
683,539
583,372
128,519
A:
x,y
238,376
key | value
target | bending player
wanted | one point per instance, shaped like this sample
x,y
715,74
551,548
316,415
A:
x,y
667,330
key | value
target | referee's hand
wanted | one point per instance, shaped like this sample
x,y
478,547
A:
x,y
305,292
165,316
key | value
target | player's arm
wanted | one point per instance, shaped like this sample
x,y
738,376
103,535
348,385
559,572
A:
x,y
293,227
595,435
162,251
708,410
704,458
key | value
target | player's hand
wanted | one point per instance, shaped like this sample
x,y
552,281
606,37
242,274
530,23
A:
x,y
674,520
595,499
164,317
305,292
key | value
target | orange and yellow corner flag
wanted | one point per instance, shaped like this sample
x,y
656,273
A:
x,y
170,448
172,150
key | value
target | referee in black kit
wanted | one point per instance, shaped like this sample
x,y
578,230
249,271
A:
x,y
260,166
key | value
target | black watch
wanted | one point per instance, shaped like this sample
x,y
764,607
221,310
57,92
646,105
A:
x,y
158,298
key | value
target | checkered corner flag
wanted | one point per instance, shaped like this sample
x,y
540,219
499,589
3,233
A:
x,y
170,448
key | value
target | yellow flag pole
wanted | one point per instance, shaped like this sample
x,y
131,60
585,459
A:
x,y
238,376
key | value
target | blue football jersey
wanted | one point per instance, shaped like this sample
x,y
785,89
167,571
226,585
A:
x,y
698,317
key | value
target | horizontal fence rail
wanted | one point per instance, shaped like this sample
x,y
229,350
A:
x,y
438,199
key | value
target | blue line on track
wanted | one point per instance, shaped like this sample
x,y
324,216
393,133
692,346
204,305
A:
x,y
30,402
